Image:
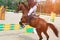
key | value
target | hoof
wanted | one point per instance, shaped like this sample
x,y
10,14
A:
x,y
40,38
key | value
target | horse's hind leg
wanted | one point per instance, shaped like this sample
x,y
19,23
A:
x,y
46,35
39,34
40,37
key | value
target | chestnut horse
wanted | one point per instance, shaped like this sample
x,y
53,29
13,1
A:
x,y
40,24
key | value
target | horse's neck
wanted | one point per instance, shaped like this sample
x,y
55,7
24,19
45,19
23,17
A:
x,y
24,10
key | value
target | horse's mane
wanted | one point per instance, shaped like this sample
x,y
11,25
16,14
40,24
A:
x,y
24,5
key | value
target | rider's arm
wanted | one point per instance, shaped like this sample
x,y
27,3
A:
x,y
32,10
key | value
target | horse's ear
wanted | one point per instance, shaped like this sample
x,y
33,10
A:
x,y
19,2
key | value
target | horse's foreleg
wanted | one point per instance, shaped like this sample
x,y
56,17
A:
x,y
46,35
21,24
39,34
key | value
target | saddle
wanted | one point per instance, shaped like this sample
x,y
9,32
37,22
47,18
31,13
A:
x,y
32,17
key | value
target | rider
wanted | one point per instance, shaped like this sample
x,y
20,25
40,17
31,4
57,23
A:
x,y
33,7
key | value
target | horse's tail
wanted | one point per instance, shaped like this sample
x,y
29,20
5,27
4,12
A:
x,y
53,28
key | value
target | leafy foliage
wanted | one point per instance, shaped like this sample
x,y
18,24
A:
x,y
11,4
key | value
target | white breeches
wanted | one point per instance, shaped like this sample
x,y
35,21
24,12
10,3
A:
x,y
33,9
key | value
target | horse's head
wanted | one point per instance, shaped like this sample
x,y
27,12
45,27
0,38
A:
x,y
23,7
18,7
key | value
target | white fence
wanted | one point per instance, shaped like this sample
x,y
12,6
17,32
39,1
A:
x,y
11,18
14,18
